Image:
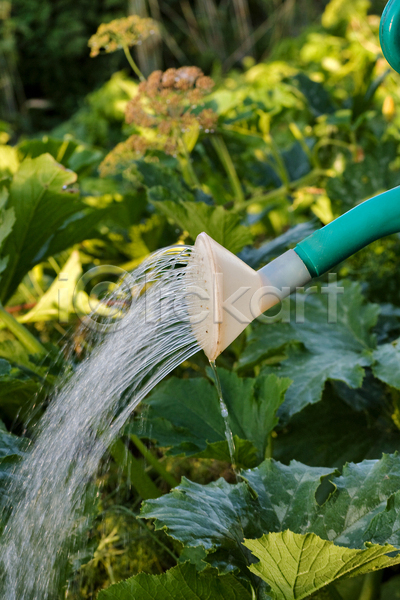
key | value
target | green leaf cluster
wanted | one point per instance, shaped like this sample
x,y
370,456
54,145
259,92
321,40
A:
x,y
282,515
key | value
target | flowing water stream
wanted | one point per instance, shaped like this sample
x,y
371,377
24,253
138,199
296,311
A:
x,y
225,416
83,419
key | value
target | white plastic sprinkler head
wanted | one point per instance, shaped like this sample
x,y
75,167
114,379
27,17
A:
x,y
226,294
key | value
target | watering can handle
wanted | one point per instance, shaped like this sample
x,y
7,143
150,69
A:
x,y
367,222
389,34
374,218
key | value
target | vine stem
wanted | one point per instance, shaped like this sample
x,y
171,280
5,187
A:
x,y
21,333
132,63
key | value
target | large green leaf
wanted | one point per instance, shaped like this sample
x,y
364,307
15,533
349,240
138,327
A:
x,y
296,566
310,372
286,494
386,525
183,582
44,210
40,207
185,415
274,497
350,329
219,516
335,350
195,217
362,492
216,516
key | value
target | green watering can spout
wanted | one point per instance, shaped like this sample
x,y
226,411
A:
x,y
226,294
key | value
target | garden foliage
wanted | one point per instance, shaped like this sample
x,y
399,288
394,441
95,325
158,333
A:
x,y
312,509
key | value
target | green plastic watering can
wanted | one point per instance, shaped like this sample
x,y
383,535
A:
x,y
232,294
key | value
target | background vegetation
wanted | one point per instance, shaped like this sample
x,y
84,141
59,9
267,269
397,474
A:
x,y
305,125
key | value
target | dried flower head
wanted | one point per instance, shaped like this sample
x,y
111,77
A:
x,y
168,102
165,107
120,33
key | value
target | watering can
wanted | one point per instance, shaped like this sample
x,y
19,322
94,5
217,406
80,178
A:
x,y
229,294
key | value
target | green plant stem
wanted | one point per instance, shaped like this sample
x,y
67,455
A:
x,y
152,460
190,170
21,333
284,189
133,470
226,160
371,586
133,64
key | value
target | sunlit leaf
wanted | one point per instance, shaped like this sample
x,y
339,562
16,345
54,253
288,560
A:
x,y
296,566
58,301
48,218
